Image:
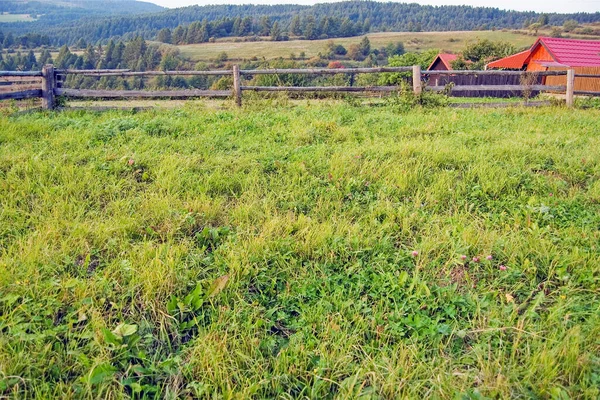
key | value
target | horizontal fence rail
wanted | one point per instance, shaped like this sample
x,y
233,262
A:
x,y
84,93
46,84
491,88
495,72
22,95
145,73
324,71
339,89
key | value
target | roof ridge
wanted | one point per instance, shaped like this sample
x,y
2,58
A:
x,y
568,39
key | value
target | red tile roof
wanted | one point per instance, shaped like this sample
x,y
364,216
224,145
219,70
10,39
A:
x,y
566,53
572,52
516,61
445,58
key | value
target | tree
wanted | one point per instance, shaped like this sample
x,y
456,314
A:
x,y
395,49
570,25
64,58
276,32
296,26
476,55
164,36
544,20
355,53
365,46
265,26
90,58
9,41
535,27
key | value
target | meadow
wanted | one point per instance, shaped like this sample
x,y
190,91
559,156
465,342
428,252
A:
x,y
315,250
452,42
16,18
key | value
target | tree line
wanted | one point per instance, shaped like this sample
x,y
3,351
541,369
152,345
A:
x,y
200,23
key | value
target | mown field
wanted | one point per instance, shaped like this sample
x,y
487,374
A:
x,y
308,251
16,18
452,42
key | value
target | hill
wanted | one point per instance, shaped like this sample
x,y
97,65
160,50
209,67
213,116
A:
x,y
413,41
38,16
312,22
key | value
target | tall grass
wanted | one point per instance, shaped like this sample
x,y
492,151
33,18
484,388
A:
x,y
313,251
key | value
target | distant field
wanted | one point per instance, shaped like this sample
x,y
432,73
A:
x,y
413,41
16,18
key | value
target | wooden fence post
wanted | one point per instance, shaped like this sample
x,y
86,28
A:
x,y
237,86
48,85
570,87
417,86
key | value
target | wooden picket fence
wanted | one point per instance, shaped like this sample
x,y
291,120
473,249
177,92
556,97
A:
x,y
47,84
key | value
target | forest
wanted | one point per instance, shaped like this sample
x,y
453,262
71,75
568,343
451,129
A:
x,y
201,23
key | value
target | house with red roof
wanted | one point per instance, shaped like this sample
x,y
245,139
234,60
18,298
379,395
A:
x,y
556,54
441,62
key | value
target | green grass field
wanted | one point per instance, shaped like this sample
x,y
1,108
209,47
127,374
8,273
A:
x,y
413,41
16,18
309,251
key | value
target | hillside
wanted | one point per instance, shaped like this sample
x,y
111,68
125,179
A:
x,y
318,251
312,22
38,16
413,41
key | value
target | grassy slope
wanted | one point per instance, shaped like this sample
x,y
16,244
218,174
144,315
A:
x,y
413,41
313,213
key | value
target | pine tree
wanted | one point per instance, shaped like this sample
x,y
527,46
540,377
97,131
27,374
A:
x,y
276,32
164,35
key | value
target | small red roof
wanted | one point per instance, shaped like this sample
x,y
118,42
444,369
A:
x,y
516,61
445,58
572,52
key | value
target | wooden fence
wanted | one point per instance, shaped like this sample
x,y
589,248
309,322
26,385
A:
x,y
48,83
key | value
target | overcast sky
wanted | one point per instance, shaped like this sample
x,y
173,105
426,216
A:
x,y
563,6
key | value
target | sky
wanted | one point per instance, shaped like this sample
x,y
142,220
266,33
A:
x,y
561,6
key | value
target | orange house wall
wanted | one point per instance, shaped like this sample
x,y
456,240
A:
x,y
581,84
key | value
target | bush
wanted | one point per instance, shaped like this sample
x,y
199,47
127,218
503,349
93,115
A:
x,y
406,100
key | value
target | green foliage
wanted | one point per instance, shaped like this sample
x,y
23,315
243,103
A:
x,y
476,55
310,250
406,100
423,59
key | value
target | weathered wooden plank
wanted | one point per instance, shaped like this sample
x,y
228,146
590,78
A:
x,y
88,71
570,88
25,94
416,76
140,93
501,104
19,87
494,72
586,93
322,89
20,79
324,71
48,85
20,73
152,73
487,88
237,86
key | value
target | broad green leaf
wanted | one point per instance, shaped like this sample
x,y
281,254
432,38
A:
x,y
111,338
124,330
100,373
